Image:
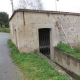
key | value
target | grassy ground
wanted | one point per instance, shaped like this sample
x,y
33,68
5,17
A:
x,y
4,30
65,47
33,66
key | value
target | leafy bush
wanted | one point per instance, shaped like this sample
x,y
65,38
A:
x,y
33,66
3,29
65,47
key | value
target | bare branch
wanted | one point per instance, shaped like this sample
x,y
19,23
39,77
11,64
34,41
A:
x,y
30,4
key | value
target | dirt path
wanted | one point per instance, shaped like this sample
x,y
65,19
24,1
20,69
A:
x,y
8,70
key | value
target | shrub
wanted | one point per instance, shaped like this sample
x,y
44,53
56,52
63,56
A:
x,y
3,29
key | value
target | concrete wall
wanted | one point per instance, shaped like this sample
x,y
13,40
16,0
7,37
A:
x,y
67,61
71,26
13,26
25,26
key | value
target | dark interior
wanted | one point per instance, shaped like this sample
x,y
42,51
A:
x,y
44,41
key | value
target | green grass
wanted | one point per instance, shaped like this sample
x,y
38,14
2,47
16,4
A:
x,y
33,66
65,47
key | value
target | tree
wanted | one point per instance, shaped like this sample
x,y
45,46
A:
x,y
4,19
30,4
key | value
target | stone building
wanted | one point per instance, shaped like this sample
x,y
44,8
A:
x,y
42,30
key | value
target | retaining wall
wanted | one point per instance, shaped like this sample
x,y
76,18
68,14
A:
x,y
67,61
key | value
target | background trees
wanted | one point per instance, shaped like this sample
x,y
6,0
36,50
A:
x,y
31,4
4,19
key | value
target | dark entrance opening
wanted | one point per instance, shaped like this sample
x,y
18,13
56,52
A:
x,y
44,41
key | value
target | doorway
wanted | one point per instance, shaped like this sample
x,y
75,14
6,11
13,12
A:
x,y
44,41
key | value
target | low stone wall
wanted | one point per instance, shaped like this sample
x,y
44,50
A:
x,y
67,61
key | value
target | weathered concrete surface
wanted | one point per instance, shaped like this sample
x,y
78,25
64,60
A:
x,y
8,71
67,61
